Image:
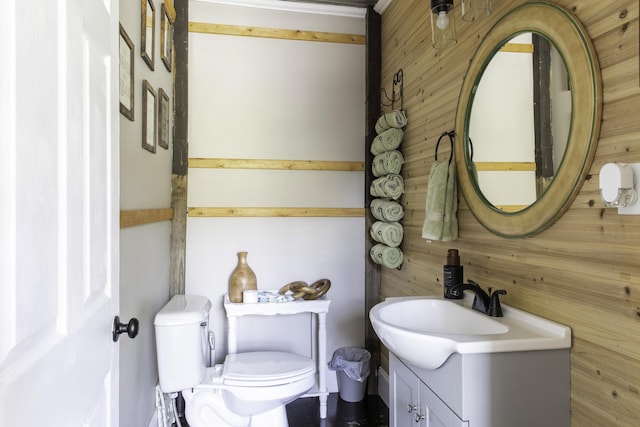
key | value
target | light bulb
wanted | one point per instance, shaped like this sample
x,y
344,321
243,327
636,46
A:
x,y
443,20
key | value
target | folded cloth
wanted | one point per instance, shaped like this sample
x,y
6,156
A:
x,y
386,210
440,222
391,186
386,256
387,162
273,296
393,119
390,139
389,233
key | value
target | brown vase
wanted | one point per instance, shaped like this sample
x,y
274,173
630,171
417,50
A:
x,y
242,279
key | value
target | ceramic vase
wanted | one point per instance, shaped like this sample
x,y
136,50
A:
x,y
242,279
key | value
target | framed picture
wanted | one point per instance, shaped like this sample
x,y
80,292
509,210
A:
x,y
166,37
149,117
147,31
164,107
126,75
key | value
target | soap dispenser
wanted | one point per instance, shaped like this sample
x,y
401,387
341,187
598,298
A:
x,y
452,275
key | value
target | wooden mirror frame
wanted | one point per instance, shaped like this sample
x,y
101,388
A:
x,y
574,45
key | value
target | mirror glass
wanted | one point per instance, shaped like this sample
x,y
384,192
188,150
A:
x,y
519,122
527,124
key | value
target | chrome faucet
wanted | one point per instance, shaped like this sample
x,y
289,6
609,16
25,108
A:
x,y
484,302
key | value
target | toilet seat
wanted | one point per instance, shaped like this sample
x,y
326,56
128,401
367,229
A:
x,y
266,368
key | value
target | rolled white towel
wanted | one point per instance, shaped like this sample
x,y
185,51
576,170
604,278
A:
x,y
389,233
386,256
393,119
386,210
388,140
387,162
391,186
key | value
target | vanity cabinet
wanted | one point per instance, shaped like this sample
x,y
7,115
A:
x,y
414,404
524,389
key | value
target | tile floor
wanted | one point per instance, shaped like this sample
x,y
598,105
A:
x,y
371,412
305,412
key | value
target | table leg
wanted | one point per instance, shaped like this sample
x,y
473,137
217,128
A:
x,y
322,363
232,334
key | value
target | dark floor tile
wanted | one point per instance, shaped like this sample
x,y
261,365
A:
x,y
371,412
305,412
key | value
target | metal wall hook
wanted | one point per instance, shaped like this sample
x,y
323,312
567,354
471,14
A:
x,y
398,82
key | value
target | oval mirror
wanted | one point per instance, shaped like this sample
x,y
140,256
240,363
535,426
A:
x,y
528,120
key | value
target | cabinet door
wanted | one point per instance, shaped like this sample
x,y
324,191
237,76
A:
x,y
434,412
404,395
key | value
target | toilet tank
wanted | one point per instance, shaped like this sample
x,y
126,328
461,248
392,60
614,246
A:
x,y
181,342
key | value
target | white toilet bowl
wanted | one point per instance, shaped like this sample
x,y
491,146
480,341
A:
x,y
247,390
250,389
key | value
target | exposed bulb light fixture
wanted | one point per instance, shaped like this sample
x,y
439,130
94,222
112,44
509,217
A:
x,y
443,20
443,28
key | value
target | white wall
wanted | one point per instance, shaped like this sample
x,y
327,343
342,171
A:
x,y
502,126
278,99
145,183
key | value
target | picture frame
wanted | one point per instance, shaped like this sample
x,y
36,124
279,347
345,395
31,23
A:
x,y
166,37
149,117
127,68
148,33
164,109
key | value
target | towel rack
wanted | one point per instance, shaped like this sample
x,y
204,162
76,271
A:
x,y
450,134
398,82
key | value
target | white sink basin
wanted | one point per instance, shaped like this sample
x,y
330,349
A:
x,y
425,331
438,316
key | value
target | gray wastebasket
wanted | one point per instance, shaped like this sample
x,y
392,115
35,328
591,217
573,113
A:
x,y
352,368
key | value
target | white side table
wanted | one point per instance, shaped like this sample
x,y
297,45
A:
x,y
319,307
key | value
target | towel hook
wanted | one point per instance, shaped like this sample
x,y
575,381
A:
x,y
398,81
450,134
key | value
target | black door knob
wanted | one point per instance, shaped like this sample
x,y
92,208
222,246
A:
x,y
132,328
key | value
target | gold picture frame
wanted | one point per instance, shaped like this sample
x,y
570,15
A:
x,y
126,86
164,109
147,31
149,117
166,37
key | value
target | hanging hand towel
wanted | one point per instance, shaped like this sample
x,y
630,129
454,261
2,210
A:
x,y
388,140
386,210
389,233
391,186
440,222
387,162
450,227
393,119
386,256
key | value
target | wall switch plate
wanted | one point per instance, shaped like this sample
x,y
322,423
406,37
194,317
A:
x,y
635,208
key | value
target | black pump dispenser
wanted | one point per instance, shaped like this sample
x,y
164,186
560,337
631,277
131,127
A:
x,y
452,275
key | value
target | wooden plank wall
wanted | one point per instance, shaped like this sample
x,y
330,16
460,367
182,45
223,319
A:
x,y
584,271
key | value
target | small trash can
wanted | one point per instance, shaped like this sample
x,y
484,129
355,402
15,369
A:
x,y
352,368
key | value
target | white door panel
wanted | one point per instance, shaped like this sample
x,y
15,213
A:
x,y
60,215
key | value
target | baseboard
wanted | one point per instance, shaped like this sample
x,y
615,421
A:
x,y
383,386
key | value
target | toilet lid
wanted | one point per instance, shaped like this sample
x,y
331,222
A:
x,y
266,368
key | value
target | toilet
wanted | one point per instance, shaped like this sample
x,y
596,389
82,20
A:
x,y
248,390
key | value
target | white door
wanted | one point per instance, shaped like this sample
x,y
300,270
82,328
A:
x,y
58,213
